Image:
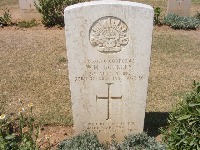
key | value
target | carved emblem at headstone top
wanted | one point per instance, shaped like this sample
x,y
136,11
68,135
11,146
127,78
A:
x,y
109,35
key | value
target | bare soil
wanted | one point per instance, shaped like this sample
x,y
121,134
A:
x,y
52,135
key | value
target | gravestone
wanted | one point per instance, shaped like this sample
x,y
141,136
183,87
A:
x,y
108,49
28,10
179,7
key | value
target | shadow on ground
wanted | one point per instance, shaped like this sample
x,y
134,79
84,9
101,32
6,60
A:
x,y
153,121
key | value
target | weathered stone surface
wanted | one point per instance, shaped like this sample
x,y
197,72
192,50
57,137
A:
x,y
179,7
28,10
108,49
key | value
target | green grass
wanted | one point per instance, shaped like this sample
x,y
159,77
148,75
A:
x,y
196,2
174,65
27,24
8,2
33,69
155,3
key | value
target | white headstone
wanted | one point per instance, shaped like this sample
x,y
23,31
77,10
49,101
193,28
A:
x,y
28,10
179,7
108,48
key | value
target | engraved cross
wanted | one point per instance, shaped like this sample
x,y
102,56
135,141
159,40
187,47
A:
x,y
108,98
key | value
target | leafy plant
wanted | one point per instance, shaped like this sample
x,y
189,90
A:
x,y
27,24
85,141
179,22
53,11
183,131
18,133
140,142
157,13
7,139
6,18
88,141
114,145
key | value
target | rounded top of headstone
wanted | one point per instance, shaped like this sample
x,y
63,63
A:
x,y
109,2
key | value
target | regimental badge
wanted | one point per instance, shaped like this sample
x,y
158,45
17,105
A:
x,y
109,35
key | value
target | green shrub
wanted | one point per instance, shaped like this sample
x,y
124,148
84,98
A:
x,y
53,11
88,141
197,16
140,142
27,24
5,19
85,141
179,22
157,13
183,131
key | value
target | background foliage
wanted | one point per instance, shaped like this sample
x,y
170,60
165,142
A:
x,y
53,11
198,15
5,19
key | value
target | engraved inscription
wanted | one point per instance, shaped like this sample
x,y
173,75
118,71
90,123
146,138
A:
x,y
109,35
109,70
101,127
108,98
